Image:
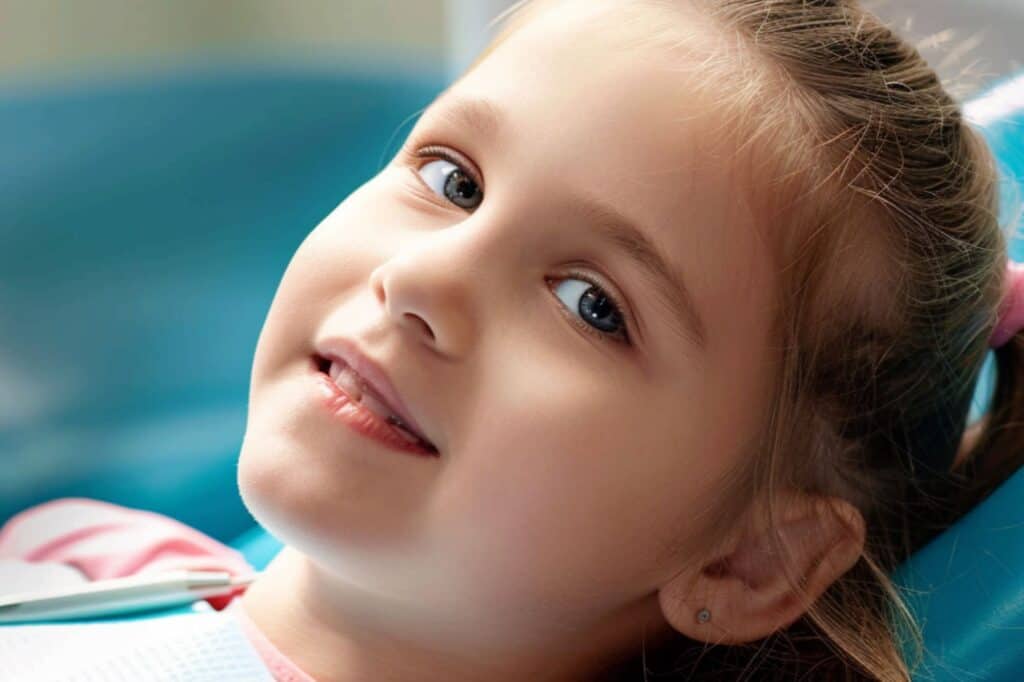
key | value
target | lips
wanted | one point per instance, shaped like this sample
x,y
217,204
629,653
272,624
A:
x,y
373,378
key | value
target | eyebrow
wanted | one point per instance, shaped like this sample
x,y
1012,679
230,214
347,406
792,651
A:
x,y
485,118
479,114
621,232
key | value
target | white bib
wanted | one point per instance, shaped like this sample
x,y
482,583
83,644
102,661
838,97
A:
x,y
198,646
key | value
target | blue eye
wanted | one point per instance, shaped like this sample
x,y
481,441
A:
x,y
601,311
450,180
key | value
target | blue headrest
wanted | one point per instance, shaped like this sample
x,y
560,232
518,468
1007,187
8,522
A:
x,y
966,586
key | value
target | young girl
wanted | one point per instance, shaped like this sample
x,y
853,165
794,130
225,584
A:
x,y
672,312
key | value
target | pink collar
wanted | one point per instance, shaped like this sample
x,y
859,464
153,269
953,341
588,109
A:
x,y
280,666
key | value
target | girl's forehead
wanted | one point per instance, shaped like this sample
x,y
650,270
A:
x,y
570,107
574,77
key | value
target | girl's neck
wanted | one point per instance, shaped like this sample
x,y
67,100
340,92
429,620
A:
x,y
335,635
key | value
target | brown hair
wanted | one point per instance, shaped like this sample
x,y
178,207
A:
x,y
880,346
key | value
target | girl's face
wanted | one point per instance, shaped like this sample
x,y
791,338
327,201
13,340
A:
x,y
577,452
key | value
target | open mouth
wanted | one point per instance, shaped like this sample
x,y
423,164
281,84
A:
x,y
339,373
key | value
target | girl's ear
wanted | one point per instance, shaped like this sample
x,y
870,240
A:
x,y
745,590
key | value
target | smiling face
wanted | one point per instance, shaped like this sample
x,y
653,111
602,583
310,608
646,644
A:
x,y
577,445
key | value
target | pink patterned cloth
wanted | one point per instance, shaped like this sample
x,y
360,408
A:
x,y
105,540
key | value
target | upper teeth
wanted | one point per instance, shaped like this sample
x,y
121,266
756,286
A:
x,y
351,383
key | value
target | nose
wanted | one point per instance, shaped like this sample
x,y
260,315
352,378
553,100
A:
x,y
433,287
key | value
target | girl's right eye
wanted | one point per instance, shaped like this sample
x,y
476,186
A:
x,y
450,180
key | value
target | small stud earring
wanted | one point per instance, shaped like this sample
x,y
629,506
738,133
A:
x,y
703,616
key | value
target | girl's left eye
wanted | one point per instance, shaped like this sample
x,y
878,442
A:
x,y
603,313
448,177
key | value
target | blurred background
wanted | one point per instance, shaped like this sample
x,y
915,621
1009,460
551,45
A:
x,y
161,160
44,41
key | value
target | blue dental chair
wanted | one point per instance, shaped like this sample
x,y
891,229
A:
x,y
144,226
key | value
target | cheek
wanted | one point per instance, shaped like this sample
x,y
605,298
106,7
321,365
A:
x,y
562,499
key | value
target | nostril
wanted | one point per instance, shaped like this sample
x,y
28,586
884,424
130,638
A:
x,y
420,322
322,363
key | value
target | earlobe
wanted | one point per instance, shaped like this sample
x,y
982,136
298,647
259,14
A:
x,y
744,594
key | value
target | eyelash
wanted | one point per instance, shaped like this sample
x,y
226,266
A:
x,y
434,152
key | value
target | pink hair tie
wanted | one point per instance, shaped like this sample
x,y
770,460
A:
x,y
1011,309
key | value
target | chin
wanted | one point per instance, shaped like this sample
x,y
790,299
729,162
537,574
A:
x,y
299,500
